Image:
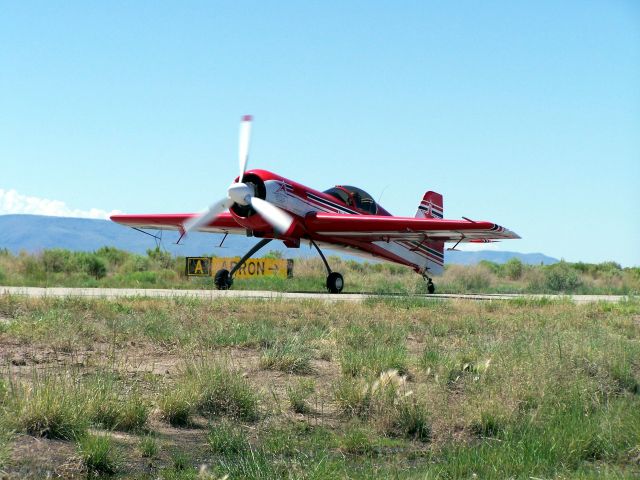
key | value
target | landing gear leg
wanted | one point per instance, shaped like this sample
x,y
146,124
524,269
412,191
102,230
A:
x,y
430,286
335,282
224,278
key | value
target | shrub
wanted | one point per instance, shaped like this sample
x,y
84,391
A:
x,y
59,260
513,269
95,266
561,277
98,454
163,258
112,255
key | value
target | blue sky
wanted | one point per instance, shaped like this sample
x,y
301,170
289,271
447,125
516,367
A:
x,y
526,114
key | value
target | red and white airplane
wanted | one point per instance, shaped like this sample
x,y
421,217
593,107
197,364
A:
x,y
268,206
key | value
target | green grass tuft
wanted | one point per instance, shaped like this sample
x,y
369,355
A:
x,y
299,393
176,404
98,454
148,446
227,439
290,356
51,407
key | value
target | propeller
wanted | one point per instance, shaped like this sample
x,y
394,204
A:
x,y
242,194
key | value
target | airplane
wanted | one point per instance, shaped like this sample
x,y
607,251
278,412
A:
x,y
267,206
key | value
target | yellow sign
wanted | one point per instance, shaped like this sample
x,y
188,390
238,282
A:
x,y
254,267
198,267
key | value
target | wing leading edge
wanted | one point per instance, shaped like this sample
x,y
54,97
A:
x,y
224,223
375,228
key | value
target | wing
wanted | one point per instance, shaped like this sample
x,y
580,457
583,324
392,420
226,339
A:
x,y
224,223
377,228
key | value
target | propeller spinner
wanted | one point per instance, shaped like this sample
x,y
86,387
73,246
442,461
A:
x,y
242,194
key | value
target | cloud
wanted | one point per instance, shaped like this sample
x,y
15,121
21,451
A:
x,y
12,202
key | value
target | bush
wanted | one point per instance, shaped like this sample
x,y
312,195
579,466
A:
x,y
58,260
162,258
96,267
513,269
561,277
113,256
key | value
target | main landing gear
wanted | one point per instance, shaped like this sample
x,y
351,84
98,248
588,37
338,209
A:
x,y
335,282
430,286
224,278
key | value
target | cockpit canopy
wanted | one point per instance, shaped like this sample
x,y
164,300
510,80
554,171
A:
x,y
354,197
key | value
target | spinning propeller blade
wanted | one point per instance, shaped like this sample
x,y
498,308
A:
x,y
243,146
243,194
276,217
208,216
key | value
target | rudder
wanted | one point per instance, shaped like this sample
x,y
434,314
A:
x,y
431,206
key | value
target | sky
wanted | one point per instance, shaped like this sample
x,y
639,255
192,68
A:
x,y
523,113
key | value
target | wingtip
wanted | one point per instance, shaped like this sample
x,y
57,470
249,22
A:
x,y
247,118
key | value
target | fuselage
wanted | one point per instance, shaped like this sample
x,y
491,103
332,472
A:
x,y
301,201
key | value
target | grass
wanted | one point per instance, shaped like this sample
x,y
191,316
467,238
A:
x,y
98,454
299,393
211,389
50,407
109,267
227,439
290,356
410,389
148,446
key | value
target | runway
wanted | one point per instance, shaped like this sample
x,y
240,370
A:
x,y
257,294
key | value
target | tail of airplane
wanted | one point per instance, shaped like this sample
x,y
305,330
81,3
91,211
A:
x,y
431,206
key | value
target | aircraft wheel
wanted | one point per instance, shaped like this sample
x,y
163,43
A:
x,y
335,282
222,280
431,287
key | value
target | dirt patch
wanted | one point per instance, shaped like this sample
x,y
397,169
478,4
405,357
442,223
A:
x,y
43,458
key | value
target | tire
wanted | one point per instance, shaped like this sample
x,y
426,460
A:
x,y
431,287
222,280
335,282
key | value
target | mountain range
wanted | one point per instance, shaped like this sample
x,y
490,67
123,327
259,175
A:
x,y
34,233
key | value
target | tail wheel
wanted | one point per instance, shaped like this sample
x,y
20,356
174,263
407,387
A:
x,y
223,280
335,282
430,286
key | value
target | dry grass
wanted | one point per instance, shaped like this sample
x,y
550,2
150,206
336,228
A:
x,y
431,389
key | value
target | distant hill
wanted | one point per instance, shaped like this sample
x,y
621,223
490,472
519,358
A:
x,y
34,233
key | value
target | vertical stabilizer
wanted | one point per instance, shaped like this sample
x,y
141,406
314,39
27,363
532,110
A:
x,y
431,206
